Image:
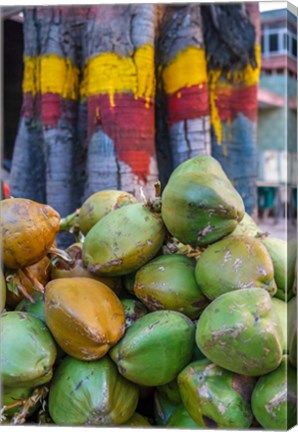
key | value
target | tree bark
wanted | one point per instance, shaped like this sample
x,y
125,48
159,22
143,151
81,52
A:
x,y
182,71
27,177
233,73
119,85
59,79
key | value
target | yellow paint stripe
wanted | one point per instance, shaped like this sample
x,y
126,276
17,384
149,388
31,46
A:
x,y
106,73
31,81
244,78
58,75
145,68
214,76
51,74
188,68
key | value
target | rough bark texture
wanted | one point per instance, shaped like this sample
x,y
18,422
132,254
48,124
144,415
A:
x,y
115,96
183,87
233,71
27,178
121,149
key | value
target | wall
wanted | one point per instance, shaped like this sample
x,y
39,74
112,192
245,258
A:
x,y
271,129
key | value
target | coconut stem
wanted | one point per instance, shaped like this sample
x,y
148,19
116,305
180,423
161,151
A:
x,y
262,235
37,395
70,222
16,404
14,285
172,247
25,293
35,282
61,254
157,187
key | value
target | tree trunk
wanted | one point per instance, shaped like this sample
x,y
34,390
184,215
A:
x,y
27,177
183,74
59,80
119,84
233,72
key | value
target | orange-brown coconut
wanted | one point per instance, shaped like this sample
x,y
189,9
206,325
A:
x,y
28,231
84,315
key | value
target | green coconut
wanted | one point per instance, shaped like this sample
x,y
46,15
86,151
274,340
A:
x,y
133,310
91,393
294,287
292,331
155,348
246,227
36,308
274,398
215,397
100,204
234,263
168,282
200,208
163,408
280,309
181,419
28,350
137,420
283,257
204,164
123,241
3,291
241,332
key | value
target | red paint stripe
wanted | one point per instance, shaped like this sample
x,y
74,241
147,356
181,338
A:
x,y
6,191
188,103
231,102
50,107
130,125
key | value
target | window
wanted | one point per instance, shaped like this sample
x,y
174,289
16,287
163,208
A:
x,y
285,41
273,42
278,41
294,47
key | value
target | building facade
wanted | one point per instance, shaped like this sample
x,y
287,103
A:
x,y
277,102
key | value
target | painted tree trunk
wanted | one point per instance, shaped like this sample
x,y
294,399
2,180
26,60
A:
x,y
27,177
59,69
50,88
182,72
119,85
233,74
